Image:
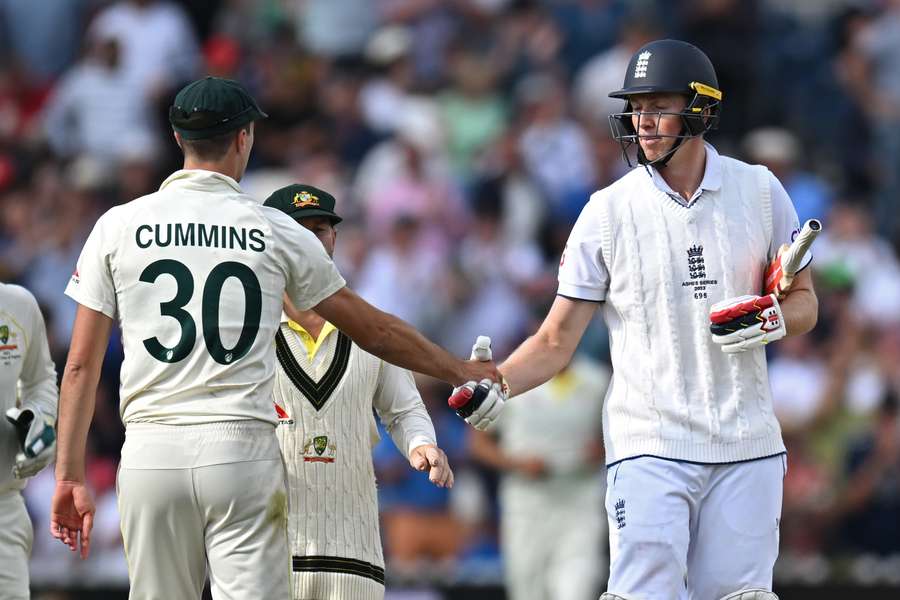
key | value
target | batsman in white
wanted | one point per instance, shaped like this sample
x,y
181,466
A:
x,y
28,396
195,274
325,389
694,452
550,452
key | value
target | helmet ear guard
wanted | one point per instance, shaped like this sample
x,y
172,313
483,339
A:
x,y
702,112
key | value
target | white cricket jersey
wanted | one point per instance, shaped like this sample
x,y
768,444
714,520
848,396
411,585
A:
x,y
556,422
195,274
27,374
657,264
324,392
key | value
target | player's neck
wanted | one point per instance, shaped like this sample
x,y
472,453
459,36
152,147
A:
x,y
307,319
311,322
227,166
684,171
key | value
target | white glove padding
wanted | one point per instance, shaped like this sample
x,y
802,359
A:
x,y
478,404
37,439
746,322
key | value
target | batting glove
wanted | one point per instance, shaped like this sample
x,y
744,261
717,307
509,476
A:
x,y
480,403
746,322
37,439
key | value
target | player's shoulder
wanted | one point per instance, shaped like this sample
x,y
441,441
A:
x,y
735,165
617,192
276,217
122,213
632,182
285,228
16,295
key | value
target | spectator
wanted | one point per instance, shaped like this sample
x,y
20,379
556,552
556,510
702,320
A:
x,y
409,174
388,54
550,453
473,111
780,151
158,44
94,106
870,500
556,150
44,36
603,72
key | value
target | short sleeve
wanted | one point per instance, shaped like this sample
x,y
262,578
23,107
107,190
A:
x,y
91,284
583,273
311,275
785,223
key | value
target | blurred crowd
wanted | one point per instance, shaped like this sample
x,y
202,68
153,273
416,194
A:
x,y
462,138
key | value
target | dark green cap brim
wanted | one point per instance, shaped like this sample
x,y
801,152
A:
x,y
316,212
217,126
212,106
284,200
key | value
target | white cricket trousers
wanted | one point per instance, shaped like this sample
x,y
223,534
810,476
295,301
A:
x,y
697,531
192,495
16,536
555,549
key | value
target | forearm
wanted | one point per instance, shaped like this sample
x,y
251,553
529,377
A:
x,y
76,410
399,343
411,428
801,311
535,362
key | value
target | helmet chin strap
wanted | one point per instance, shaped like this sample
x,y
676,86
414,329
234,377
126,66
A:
x,y
663,160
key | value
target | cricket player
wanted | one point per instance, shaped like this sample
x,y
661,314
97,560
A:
x,y
28,396
325,390
195,274
551,455
694,453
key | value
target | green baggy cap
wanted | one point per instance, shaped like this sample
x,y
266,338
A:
x,y
299,201
212,106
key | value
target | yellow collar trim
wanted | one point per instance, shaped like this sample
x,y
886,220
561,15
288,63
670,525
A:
x,y
312,346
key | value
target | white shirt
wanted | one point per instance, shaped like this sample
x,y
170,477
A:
x,y
27,374
658,264
99,111
195,274
158,43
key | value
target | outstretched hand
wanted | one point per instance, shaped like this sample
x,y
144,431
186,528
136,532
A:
x,y
72,515
429,457
479,402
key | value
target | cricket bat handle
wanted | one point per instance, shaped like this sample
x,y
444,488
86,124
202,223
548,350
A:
x,y
790,260
780,274
482,349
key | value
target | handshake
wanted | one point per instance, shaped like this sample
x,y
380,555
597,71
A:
x,y
480,403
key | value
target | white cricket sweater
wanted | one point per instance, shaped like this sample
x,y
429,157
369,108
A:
x,y
27,374
658,266
325,391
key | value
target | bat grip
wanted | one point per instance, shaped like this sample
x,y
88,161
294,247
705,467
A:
x,y
481,351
